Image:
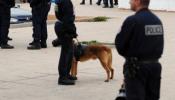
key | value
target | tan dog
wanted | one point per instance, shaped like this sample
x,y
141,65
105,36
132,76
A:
x,y
100,52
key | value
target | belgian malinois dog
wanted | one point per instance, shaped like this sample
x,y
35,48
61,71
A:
x,y
97,51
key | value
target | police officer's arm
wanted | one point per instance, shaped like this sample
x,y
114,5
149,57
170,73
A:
x,y
33,2
69,16
58,13
123,37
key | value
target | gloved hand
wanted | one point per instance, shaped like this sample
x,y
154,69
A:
x,y
71,30
75,35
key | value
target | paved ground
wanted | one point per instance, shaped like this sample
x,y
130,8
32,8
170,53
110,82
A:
x,y
32,75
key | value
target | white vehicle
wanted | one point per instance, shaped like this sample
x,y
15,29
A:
x,y
19,15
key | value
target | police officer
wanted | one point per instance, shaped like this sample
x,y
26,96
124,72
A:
x,y
66,31
40,9
5,6
141,43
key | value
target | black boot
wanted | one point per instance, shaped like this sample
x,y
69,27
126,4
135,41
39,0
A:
x,y
90,2
83,2
122,93
65,81
34,46
115,2
98,3
56,42
43,44
112,6
6,46
106,6
31,43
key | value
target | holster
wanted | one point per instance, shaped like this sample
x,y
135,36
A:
x,y
131,67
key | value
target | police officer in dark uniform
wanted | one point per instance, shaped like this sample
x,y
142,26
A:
x,y
66,31
5,6
40,9
141,43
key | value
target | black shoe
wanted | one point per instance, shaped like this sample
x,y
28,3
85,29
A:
x,y
56,42
111,6
6,46
115,3
8,38
34,46
72,77
65,81
43,45
31,43
82,3
105,6
98,3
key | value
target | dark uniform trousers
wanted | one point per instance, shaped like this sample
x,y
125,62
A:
x,y
66,38
4,23
39,20
106,3
66,56
83,1
146,84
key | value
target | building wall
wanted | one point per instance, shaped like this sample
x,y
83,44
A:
x,y
168,5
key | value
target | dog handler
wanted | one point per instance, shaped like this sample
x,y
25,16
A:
x,y
66,31
141,43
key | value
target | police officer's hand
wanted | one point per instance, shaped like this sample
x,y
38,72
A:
x,y
75,35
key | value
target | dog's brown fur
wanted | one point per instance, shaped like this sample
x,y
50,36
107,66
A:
x,y
101,52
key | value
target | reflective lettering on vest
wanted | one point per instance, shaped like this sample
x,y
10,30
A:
x,y
153,30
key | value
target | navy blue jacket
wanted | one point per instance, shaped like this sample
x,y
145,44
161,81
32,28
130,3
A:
x,y
7,3
141,36
37,2
65,12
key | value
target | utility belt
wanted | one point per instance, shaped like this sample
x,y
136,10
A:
x,y
141,60
132,65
